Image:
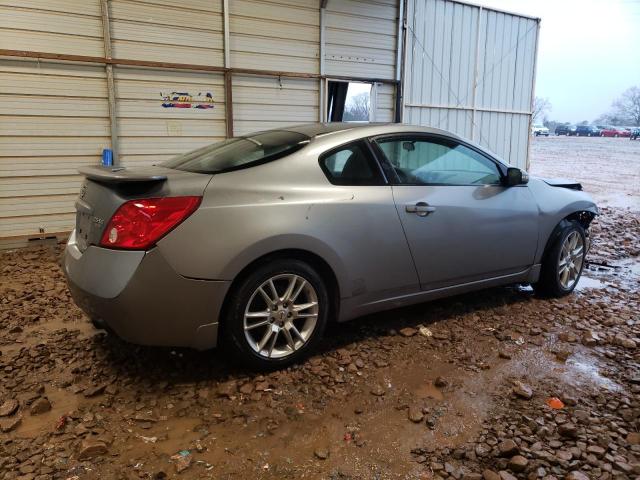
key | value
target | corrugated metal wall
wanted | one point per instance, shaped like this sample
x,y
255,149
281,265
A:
x,y
470,70
168,30
361,38
150,132
55,115
274,35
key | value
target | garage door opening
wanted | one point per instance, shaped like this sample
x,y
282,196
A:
x,y
349,102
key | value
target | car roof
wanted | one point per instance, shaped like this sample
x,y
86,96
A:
x,y
328,135
363,129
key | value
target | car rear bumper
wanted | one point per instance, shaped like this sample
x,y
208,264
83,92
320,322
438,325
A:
x,y
142,299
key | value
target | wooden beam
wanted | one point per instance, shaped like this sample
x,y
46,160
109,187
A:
x,y
228,102
181,66
111,88
227,33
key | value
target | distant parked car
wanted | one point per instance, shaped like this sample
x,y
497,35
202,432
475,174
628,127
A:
x,y
563,129
538,130
615,132
635,134
586,131
597,131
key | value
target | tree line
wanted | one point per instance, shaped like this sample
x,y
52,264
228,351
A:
x,y
624,111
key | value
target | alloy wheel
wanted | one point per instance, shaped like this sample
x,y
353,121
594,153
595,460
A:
x,y
281,316
571,260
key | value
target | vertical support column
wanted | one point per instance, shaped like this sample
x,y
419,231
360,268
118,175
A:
x,y
373,102
228,76
321,83
227,46
475,77
401,85
111,88
533,96
228,102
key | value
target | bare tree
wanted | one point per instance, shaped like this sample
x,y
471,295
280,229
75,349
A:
x,y
541,106
627,107
357,109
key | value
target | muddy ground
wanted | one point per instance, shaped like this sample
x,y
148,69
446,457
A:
x,y
498,384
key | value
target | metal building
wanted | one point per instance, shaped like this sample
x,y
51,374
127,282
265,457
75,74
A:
x,y
153,78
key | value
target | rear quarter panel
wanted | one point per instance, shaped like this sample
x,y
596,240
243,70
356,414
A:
x,y
289,204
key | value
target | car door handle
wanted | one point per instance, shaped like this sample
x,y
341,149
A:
x,y
422,209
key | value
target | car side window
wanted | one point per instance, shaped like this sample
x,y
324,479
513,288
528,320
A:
x,y
351,165
423,161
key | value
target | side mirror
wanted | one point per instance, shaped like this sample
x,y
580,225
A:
x,y
515,176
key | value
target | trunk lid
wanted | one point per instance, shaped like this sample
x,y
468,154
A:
x,y
106,188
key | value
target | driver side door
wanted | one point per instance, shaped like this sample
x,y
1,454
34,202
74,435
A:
x,y
462,225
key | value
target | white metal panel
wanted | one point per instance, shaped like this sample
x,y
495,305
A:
x,y
53,119
260,103
150,132
168,31
384,102
470,70
360,38
62,27
275,35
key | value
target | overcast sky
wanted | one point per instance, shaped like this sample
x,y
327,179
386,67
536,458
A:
x,y
589,52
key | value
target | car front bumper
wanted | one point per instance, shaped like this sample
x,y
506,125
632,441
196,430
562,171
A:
x,y
142,299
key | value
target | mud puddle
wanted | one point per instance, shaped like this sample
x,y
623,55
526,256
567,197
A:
x,y
63,404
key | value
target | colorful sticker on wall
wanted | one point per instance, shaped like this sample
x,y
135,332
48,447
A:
x,y
203,101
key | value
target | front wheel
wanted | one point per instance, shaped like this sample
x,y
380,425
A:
x,y
276,315
563,263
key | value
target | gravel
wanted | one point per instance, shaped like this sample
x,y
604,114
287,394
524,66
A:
x,y
433,391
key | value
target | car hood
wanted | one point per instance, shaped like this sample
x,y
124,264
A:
x,y
562,182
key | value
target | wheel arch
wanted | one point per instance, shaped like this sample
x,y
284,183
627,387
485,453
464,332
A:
x,y
314,260
583,217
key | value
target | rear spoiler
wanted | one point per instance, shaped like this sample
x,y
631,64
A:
x,y
120,175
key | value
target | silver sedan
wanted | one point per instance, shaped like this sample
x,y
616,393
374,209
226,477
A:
x,y
256,243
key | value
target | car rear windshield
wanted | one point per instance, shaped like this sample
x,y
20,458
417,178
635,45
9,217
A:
x,y
241,152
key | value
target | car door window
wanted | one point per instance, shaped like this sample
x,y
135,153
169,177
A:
x,y
351,165
424,161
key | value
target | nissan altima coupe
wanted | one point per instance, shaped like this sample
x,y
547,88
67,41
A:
x,y
254,244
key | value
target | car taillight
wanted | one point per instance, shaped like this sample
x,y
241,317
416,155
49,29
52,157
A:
x,y
139,224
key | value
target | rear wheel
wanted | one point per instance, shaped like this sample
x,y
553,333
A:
x,y
563,263
276,315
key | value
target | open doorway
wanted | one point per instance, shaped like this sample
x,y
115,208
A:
x,y
349,101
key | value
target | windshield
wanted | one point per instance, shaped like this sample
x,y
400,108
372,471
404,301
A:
x,y
239,152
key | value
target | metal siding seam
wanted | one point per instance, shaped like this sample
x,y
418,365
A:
x,y
111,89
225,26
321,83
228,103
533,91
475,78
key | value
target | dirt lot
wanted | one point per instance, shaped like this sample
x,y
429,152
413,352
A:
x,y
609,168
461,388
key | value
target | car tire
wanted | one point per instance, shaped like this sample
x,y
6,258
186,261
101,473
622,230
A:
x,y
564,261
616,135
244,340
